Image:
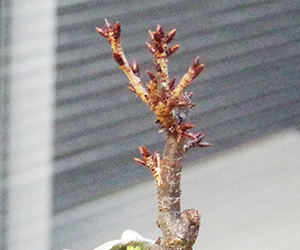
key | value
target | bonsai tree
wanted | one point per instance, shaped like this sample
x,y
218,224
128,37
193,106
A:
x,y
171,106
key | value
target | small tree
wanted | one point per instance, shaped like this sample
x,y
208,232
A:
x,y
171,106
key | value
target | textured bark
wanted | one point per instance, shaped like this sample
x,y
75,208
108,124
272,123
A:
x,y
171,106
179,230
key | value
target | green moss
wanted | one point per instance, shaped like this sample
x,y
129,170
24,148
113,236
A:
x,y
133,245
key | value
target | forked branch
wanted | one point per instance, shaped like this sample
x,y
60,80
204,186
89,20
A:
x,y
171,106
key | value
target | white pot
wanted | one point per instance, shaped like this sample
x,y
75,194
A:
x,y
127,236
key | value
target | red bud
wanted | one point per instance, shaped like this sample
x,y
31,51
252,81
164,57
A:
x,y
151,48
172,50
117,30
102,32
170,36
118,58
135,68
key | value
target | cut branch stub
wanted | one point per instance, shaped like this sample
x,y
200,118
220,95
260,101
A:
x,y
190,222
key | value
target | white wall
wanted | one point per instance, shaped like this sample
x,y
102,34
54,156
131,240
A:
x,y
30,124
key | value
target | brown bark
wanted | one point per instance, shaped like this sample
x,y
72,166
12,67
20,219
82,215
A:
x,y
179,229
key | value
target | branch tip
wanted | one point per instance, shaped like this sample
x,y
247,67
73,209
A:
x,y
196,67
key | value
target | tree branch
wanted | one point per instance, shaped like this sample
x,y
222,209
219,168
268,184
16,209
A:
x,y
112,34
171,107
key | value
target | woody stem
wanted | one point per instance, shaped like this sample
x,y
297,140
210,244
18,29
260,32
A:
x,y
169,191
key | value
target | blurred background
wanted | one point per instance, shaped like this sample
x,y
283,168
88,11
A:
x,y
70,128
